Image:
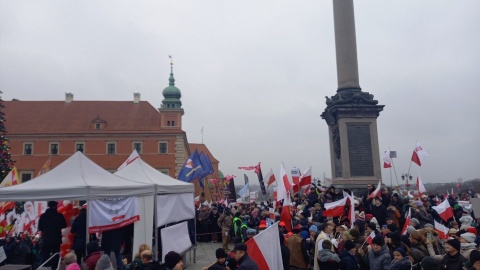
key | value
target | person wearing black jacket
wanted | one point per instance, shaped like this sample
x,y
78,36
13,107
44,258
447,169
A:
x,y
347,256
244,261
79,228
379,211
51,224
453,260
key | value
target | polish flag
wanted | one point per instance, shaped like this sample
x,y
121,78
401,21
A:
x,y
376,192
387,160
407,221
335,209
284,186
420,187
444,210
133,156
370,238
264,249
419,154
286,215
306,178
441,229
270,178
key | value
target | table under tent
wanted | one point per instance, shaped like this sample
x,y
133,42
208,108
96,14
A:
x,y
169,211
79,178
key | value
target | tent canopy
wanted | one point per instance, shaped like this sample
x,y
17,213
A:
x,y
140,171
77,178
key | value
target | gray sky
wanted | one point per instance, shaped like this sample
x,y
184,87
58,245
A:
x,y
255,74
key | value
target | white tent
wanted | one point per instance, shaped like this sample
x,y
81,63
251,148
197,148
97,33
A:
x,y
174,201
77,178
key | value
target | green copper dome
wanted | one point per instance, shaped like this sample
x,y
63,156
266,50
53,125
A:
x,y
171,95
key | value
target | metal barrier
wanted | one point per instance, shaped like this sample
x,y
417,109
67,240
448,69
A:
x,y
55,254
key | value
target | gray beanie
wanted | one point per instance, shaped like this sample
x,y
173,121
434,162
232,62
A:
x,y
469,237
410,229
104,263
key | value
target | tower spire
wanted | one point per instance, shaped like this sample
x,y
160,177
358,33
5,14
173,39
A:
x,y
171,79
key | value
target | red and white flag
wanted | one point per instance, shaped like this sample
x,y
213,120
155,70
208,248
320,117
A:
x,y
133,156
376,192
284,185
387,160
420,187
419,154
264,249
270,178
286,215
335,209
441,229
407,221
112,213
444,210
370,238
306,178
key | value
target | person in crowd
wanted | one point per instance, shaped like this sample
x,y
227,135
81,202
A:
x,y
452,260
173,261
243,260
70,261
467,244
220,264
244,228
347,256
327,259
111,242
51,224
22,254
148,263
430,263
378,257
400,260
286,254
379,211
325,234
237,224
93,255
215,229
299,258
231,264
474,260
225,222
203,222
79,228
104,263
137,263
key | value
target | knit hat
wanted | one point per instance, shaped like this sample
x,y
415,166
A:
x,y
349,245
472,230
172,258
417,255
104,263
469,237
392,227
414,220
313,228
410,229
394,236
251,231
474,256
378,240
220,253
372,226
454,243
240,246
401,251
431,263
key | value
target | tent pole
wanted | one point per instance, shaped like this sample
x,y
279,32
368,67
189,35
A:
x,y
155,222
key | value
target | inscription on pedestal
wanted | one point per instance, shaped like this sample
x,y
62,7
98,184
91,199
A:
x,y
360,150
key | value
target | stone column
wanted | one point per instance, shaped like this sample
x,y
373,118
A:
x,y
345,45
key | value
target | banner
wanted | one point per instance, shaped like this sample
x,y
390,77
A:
x,y
112,213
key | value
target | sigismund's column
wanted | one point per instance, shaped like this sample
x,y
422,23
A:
x,y
351,114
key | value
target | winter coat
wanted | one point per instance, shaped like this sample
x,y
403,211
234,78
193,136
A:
x,y
51,224
380,213
403,264
285,256
79,228
454,262
298,252
347,261
217,266
151,266
327,260
73,266
112,240
378,260
466,249
466,220
246,263
92,259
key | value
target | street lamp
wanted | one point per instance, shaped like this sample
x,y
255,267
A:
x,y
407,177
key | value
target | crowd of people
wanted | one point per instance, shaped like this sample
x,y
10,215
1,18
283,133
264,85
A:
x,y
378,238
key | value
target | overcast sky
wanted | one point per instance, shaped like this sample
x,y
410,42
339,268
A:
x,y
254,74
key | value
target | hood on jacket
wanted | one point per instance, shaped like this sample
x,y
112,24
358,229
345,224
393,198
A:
x,y
326,255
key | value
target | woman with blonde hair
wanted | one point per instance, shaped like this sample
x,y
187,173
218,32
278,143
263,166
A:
x,y
137,261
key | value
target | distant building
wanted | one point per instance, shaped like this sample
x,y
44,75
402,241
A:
x,y
105,131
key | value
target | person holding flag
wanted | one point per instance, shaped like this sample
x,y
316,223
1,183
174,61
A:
x,y
378,256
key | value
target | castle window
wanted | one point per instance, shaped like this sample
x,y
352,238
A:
x,y
80,147
137,146
28,148
53,148
111,148
162,148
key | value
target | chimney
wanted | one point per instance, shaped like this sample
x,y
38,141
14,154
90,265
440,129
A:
x,y
136,97
68,98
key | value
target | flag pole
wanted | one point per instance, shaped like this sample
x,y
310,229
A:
x,y
395,172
